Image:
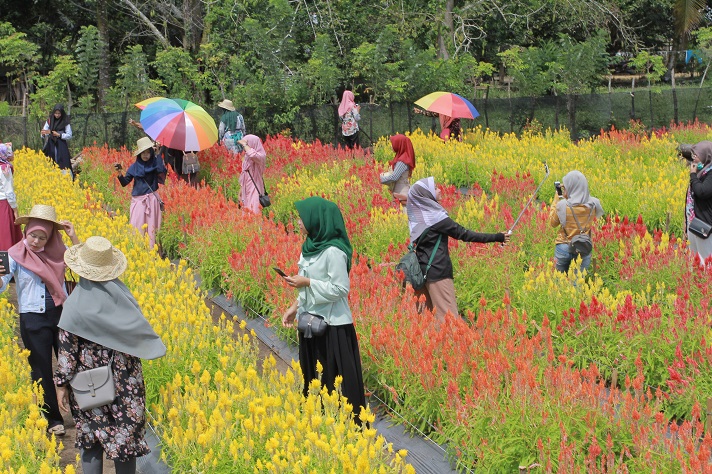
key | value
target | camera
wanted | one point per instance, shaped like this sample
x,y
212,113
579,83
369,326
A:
x,y
557,185
117,166
684,150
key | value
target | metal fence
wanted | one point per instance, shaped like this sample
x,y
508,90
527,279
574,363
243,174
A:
x,y
593,112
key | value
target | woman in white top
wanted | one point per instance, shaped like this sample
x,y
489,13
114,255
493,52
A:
x,y
58,130
10,233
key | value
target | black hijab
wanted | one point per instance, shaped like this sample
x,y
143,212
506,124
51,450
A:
x,y
58,124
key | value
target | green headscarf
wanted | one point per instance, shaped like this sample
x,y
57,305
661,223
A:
x,y
229,118
325,227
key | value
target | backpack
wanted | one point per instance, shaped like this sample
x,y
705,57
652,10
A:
x,y
410,266
190,163
581,243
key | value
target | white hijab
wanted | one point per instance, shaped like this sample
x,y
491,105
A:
x,y
576,187
422,207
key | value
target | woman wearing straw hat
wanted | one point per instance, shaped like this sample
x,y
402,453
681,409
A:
x,y
37,264
147,173
232,127
101,325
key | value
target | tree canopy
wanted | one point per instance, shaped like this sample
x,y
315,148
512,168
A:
x,y
274,56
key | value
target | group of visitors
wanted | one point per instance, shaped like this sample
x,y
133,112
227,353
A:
x,y
89,328
98,324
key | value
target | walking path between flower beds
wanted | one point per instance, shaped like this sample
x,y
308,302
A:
x,y
425,456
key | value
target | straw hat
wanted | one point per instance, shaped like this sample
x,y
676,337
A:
x,y
96,259
227,105
41,211
142,144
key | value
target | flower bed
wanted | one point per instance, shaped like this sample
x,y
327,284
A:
x,y
527,376
214,411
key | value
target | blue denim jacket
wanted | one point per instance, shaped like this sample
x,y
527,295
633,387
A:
x,y
30,288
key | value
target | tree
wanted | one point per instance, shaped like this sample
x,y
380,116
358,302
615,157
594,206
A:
x,y
54,88
89,56
18,57
133,83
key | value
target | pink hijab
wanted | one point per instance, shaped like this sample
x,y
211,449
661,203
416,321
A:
x,y
48,264
347,103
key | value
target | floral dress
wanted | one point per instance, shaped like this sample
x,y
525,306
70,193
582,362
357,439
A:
x,y
120,426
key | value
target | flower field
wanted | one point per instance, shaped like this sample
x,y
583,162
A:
x,y
527,377
214,411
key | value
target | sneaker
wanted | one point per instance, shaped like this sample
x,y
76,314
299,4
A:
x,y
57,430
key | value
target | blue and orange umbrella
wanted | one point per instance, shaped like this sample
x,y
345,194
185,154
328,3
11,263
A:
x,y
178,124
449,104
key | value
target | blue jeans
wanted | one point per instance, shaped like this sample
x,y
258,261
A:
x,y
563,258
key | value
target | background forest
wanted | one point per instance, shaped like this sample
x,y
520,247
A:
x,y
273,57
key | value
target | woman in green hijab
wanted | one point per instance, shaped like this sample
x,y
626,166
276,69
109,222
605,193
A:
x,y
323,283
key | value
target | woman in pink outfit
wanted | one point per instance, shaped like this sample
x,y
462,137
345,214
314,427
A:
x,y
147,173
252,182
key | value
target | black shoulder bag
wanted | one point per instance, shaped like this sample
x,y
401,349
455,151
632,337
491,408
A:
x,y
264,198
581,243
410,266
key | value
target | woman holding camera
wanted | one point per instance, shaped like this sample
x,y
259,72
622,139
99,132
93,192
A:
x,y
574,214
698,206
147,173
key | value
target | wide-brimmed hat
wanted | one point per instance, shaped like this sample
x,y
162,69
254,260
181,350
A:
x,y
142,144
227,105
41,211
96,259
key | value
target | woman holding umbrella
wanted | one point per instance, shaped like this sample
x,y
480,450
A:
x,y
449,108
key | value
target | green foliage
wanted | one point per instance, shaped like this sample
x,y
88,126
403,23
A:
x,y
321,74
133,83
89,57
178,72
54,87
649,64
18,56
380,66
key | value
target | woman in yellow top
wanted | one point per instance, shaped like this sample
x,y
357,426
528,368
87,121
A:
x,y
574,212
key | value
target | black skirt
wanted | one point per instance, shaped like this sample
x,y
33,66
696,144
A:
x,y
337,350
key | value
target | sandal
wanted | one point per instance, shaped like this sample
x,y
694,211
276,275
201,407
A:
x,y
57,430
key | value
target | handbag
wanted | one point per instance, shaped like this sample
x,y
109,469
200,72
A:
x,y
190,163
581,243
699,227
70,283
94,388
311,325
264,198
410,266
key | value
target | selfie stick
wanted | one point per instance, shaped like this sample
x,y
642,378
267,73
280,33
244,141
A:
x,y
546,169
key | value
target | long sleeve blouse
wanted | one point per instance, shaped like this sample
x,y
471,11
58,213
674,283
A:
x,y
66,134
395,174
7,190
702,192
441,267
327,294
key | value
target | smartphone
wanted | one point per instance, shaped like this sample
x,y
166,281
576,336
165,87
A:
x,y
5,262
557,185
279,272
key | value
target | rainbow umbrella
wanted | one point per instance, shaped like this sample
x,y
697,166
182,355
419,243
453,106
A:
x,y
142,105
449,104
179,124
